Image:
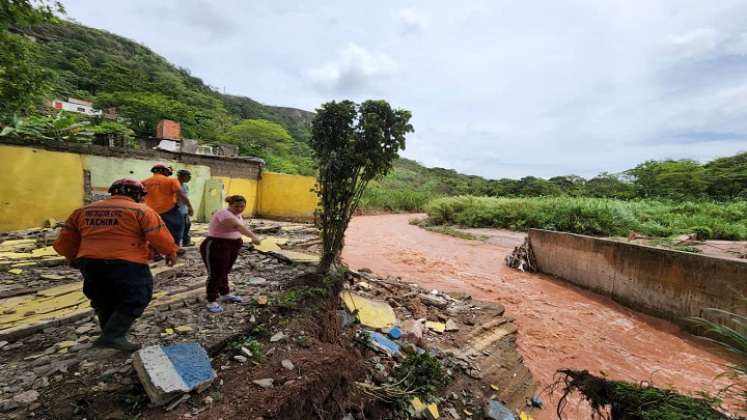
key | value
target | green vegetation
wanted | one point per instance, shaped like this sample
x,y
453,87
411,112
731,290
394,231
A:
x,y
626,401
446,230
594,216
421,375
353,144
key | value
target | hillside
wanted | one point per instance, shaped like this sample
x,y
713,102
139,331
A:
x,y
114,71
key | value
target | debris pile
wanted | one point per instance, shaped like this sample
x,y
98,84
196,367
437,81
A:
x,y
522,258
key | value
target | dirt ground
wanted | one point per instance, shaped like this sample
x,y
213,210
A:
x,y
560,325
53,372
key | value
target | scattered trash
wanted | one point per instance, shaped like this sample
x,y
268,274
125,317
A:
x,y
522,258
394,333
168,371
265,383
371,313
494,410
383,344
535,401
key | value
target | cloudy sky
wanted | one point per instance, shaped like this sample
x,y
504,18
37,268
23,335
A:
x,y
499,88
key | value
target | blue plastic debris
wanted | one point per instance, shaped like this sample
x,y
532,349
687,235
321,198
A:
x,y
494,410
380,342
536,401
395,333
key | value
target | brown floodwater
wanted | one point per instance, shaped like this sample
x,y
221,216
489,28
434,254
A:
x,y
560,325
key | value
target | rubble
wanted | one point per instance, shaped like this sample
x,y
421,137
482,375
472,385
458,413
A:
x,y
371,313
169,371
264,383
522,258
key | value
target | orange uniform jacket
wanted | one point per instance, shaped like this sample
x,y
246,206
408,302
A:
x,y
117,228
162,192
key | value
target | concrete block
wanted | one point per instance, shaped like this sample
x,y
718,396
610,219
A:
x,y
169,371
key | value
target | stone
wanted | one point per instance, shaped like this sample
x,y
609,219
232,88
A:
x,y
84,328
3,344
27,397
453,413
451,325
257,281
208,400
246,352
278,337
169,371
261,300
413,327
408,348
363,285
345,318
365,270
432,300
81,347
240,358
183,329
494,410
264,383
287,364
64,345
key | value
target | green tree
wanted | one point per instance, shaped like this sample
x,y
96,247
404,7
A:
x,y
607,185
726,178
144,110
23,81
353,144
259,138
676,179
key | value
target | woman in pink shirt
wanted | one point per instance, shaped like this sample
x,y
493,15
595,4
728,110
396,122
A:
x,y
221,248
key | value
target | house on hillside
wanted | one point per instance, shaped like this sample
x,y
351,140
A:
x,y
76,105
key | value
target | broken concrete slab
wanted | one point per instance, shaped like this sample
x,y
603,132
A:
x,y
297,257
413,327
267,245
167,371
451,326
432,300
494,410
371,313
382,343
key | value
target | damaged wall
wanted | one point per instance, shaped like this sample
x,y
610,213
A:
x,y
664,283
286,196
36,185
45,181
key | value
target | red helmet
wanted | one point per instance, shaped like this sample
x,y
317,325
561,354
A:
x,y
162,168
126,186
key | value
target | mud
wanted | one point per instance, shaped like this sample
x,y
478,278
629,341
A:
x,y
560,326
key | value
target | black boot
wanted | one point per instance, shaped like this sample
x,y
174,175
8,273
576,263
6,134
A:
x,y
103,315
114,334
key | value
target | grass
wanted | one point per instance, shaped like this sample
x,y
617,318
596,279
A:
x,y
594,216
446,230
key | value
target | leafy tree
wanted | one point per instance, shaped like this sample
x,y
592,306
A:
x,y
259,138
676,179
726,178
607,185
144,110
353,144
62,126
23,81
536,187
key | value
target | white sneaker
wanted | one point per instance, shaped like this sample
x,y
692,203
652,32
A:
x,y
214,307
230,299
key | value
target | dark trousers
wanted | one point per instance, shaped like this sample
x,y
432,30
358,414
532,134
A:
x,y
117,286
186,239
219,255
174,221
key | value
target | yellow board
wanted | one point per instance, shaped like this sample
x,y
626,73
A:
x,y
438,327
267,245
525,416
47,251
371,313
298,257
29,174
287,196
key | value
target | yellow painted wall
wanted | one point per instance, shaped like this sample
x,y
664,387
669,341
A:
x,y
286,196
36,185
241,186
105,170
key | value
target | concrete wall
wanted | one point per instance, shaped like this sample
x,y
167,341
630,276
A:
x,y
36,185
286,196
245,187
38,182
668,284
105,170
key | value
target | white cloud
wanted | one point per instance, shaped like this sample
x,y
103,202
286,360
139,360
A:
x,y
694,43
411,21
353,69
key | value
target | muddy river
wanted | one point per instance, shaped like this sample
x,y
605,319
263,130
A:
x,y
560,325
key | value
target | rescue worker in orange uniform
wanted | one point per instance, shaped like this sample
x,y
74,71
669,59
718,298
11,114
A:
x,y
108,240
164,193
